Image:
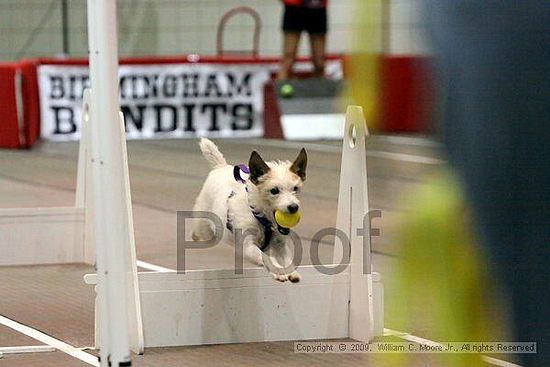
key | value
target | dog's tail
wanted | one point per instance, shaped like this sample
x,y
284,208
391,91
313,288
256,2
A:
x,y
212,154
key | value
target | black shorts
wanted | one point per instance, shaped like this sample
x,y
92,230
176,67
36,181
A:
x,y
297,19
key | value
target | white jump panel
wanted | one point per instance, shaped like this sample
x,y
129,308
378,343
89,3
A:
x,y
31,236
218,306
212,307
313,126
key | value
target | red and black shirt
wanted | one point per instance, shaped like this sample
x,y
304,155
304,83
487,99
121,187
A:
x,y
314,4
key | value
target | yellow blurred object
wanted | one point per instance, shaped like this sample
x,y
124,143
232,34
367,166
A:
x,y
364,85
287,220
444,281
364,62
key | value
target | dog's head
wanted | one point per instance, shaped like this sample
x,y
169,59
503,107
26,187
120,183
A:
x,y
276,184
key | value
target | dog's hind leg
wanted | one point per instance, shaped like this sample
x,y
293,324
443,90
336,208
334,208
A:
x,y
202,229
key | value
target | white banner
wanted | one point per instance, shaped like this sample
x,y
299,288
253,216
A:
x,y
158,101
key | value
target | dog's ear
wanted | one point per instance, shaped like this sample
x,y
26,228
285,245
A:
x,y
257,167
300,164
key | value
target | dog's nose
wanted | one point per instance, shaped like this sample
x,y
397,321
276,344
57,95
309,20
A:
x,y
293,208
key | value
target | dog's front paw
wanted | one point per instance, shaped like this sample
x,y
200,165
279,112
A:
x,y
280,277
254,255
294,277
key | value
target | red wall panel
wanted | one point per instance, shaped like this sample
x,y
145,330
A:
x,y
405,94
9,126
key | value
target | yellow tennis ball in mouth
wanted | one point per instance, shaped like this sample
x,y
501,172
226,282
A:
x,y
287,220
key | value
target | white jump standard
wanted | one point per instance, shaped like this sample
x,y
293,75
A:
x,y
110,197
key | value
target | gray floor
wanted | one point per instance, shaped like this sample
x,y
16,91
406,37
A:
x,y
165,177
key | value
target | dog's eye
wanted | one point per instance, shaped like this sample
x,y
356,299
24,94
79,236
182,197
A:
x,y
274,191
296,188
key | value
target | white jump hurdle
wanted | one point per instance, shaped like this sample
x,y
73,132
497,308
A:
x,y
31,236
50,235
219,306
54,235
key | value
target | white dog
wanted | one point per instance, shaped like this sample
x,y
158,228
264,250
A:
x,y
250,206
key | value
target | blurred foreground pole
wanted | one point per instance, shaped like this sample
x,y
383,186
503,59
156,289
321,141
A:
x,y
493,64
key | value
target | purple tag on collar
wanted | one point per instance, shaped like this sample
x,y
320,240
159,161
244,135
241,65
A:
x,y
237,172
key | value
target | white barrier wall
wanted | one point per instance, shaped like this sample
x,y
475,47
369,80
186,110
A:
x,y
42,236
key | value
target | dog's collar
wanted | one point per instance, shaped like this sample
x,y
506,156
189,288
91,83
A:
x,y
237,172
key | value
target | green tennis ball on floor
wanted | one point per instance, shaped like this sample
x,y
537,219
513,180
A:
x,y
287,91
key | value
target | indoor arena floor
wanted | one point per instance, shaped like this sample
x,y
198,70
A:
x,y
166,175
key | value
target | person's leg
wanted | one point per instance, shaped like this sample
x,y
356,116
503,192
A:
x,y
317,28
318,45
291,40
